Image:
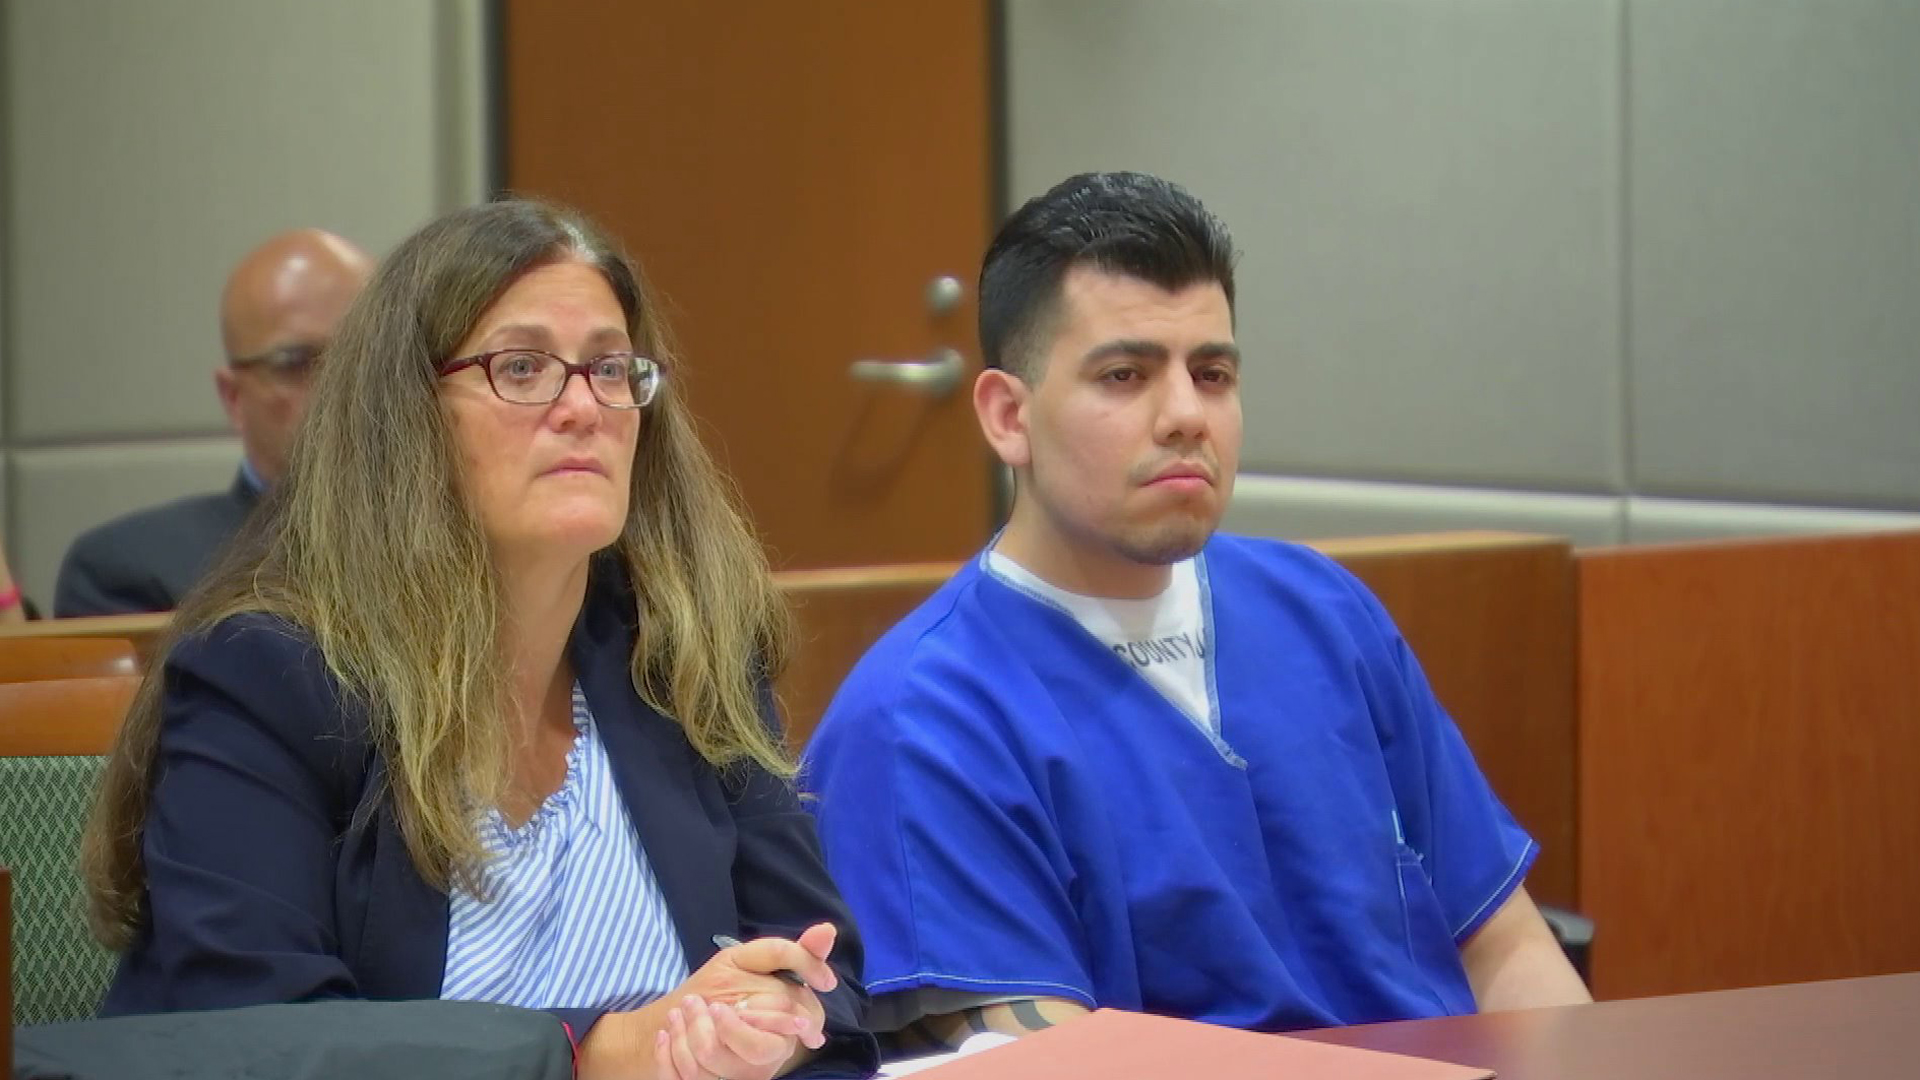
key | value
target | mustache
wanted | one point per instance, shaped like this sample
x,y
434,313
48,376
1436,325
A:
x,y
1202,462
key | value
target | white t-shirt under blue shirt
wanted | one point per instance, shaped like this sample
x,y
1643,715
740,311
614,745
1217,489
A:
x,y
1163,638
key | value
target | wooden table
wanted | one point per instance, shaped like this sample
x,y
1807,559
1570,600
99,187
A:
x,y
1857,1029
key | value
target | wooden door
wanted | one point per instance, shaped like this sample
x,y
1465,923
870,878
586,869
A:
x,y
792,177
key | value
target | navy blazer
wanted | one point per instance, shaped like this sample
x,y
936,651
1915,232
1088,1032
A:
x,y
276,872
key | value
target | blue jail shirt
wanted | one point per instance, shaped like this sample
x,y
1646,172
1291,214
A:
x,y
1010,809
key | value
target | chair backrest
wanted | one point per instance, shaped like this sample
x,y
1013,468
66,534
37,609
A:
x,y
53,736
30,659
63,717
6,969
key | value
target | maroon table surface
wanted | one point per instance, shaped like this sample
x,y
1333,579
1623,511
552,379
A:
x,y
1860,1029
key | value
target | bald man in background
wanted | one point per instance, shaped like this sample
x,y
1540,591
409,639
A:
x,y
276,314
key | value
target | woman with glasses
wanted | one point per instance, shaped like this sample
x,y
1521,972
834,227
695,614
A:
x,y
477,706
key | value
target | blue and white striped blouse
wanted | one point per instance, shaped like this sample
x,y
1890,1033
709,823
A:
x,y
575,917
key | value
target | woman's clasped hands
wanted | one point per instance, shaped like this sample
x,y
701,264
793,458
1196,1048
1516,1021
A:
x,y
733,1019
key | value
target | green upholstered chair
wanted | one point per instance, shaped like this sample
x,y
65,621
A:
x,y
6,966
53,736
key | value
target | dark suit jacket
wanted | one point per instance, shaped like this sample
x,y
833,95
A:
x,y
149,559
260,887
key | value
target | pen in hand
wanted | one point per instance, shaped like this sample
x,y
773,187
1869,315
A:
x,y
722,941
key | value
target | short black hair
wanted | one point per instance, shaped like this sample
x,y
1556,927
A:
x,y
1117,222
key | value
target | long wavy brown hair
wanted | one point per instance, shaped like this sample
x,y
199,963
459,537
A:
x,y
368,546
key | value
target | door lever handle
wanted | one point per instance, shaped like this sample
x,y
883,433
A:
x,y
935,377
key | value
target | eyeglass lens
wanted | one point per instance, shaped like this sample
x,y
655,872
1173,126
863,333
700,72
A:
x,y
534,378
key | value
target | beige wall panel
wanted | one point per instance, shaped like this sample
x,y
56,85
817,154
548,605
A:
x,y
1776,250
1427,195
151,144
7,518
146,145
57,494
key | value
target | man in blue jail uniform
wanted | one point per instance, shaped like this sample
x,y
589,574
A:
x,y
1122,760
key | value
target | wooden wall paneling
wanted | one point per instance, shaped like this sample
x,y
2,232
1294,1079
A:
x,y
1750,761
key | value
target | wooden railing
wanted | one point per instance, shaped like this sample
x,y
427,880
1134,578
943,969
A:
x,y
142,630
1489,614
1730,787
1750,761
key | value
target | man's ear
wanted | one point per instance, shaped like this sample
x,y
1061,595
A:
x,y
227,382
1000,404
